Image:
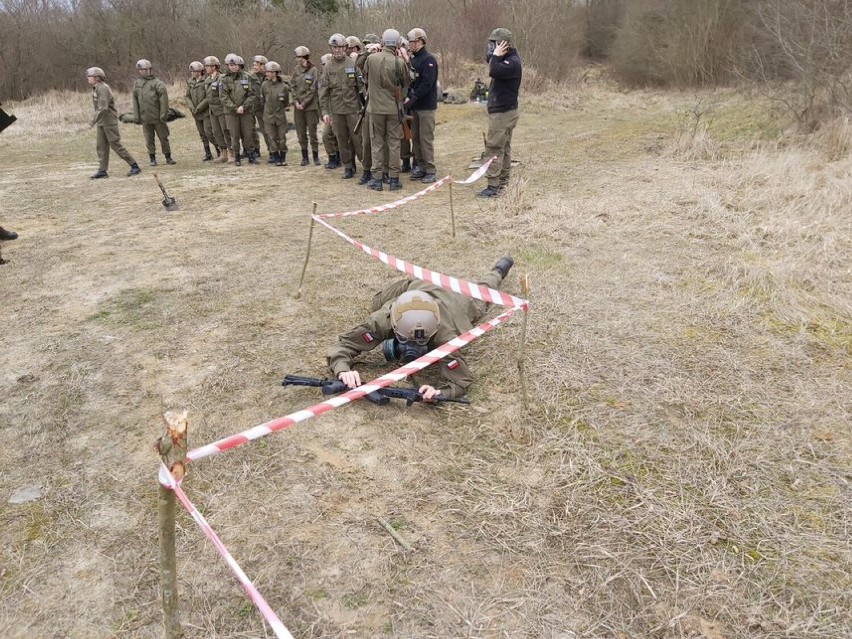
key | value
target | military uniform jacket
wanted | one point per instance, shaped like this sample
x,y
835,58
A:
x,y
105,113
196,97
257,80
236,90
276,99
384,72
150,100
339,87
304,86
377,328
212,85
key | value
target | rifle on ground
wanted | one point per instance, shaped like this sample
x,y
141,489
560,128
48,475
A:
x,y
381,397
6,120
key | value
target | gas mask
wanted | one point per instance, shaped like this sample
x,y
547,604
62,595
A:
x,y
489,53
405,351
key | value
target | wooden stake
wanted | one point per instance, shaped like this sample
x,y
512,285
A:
x,y
393,533
172,447
298,293
452,209
525,291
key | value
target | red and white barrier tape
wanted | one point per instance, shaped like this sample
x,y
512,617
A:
x,y
476,174
350,396
271,618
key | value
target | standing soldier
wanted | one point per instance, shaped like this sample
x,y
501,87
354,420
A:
x,y
387,78
329,140
218,122
372,45
409,161
151,109
340,86
276,99
305,103
106,121
196,101
505,71
238,98
422,100
258,76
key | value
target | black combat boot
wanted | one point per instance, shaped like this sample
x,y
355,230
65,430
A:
x,y
376,185
218,151
153,159
282,155
503,265
253,157
348,173
395,184
7,236
491,191
99,175
333,161
237,161
406,165
417,173
386,178
273,157
207,155
316,157
366,177
429,178
169,159
134,170
304,161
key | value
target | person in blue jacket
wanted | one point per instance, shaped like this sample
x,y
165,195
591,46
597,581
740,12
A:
x,y
422,102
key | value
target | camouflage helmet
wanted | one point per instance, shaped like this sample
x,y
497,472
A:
x,y
195,65
301,52
143,64
353,41
272,66
260,59
230,58
325,58
416,34
371,38
95,72
415,315
211,61
390,38
337,40
501,35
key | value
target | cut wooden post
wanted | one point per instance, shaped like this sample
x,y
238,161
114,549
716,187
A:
x,y
452,208
525,291
172,447
298,293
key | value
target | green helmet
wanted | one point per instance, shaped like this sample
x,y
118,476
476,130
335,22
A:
x,y
500,35
371,38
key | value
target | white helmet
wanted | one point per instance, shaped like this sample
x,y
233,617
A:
x,y
415,315
325,58
195,65
337,40
233,58
390,38
143,64
261,59
211,61
95,72
416,34
301,52
272,66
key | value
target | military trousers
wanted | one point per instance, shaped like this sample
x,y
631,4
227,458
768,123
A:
x,y
423,139
202,130
276,136
306,128
221,133
258,116
405,147
499,144
386,132
241,128
348,142
329,141
109,138
208,131
367,143
162,131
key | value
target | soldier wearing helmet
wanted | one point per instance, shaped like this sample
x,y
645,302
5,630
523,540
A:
x,y
422,101
304,80
387,79
239,98
411,318
151,110
340,90
504,67
258,77
275,93
218,121
196,102
329,141
105,119
353,47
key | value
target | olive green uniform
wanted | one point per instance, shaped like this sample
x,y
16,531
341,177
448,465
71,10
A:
x,y
257,80
458,315
385,73
366,143
329,141
151,109
276,99
236,90
218,120
196,101
304,86
340,85
105,119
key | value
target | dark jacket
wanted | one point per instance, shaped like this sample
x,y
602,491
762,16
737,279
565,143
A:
x,y
505,75
424,90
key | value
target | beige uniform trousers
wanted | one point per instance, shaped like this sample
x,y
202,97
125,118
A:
x,y
306,128
109,138
200,125
329,141
241,128
276,136
162,131
386,132
221,133
499,144
423,139
348,142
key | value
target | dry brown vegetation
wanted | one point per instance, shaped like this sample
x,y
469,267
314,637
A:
x,y
684,470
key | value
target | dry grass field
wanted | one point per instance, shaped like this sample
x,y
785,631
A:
x,y
684,467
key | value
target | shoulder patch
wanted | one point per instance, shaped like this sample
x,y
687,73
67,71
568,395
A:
x,y
453,364
368,337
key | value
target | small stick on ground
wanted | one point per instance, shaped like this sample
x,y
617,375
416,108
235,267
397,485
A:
x,y
393,533
298,293
525,291
452,209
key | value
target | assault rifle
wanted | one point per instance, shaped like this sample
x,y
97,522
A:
x,y
360,123
404,119
380,397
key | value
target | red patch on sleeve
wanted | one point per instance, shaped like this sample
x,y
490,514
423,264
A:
x,y
453,364
368,338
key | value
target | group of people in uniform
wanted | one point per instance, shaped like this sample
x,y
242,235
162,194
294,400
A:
x,y
376,98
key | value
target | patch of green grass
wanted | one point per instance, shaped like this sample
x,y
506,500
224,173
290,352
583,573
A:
x,y
540,257
137,308
353,601
317,594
